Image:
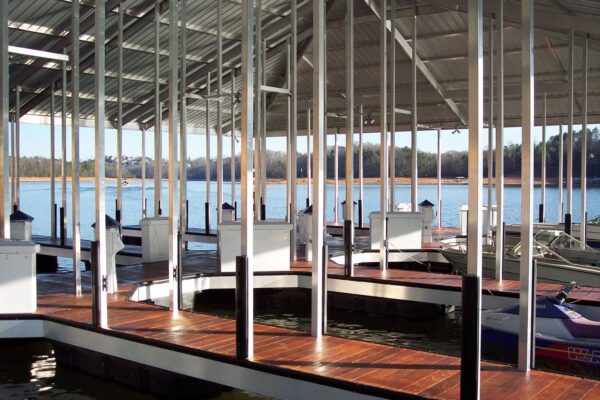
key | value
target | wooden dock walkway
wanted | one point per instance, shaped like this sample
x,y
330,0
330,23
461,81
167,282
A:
x,y
374,369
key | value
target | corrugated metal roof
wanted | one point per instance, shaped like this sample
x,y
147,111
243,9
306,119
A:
x,y
441,44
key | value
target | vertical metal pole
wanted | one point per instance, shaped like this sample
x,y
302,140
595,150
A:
x,y
383,170
349,221
183,211
294,117
13,167
319,141
500,143
288,166
63,144
76,231
528,96
439,176
360,165
232,159
99,116
490,153
393,104
474,242
308,158
207,157
18,147
263,144
144,211
157,114
4,132
542,216
219,111
244,321
120,115
413,137
173,170
570,135
258,109
561,163
52,163
582,226
335,176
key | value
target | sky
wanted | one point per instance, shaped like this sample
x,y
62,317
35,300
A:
x,y
35,141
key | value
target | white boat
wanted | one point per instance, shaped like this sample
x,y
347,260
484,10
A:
x,y
513,231
560,259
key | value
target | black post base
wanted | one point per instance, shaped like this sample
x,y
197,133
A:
x,y
325,262
95,284
179,272
206,218
63,228
360,214
568,224
348,248
55,213
159,208
470,348
241,307
541,213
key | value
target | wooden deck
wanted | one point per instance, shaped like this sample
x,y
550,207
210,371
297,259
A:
x,y
364,367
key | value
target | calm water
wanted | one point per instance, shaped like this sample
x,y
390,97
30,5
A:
x,y
28,370
35,200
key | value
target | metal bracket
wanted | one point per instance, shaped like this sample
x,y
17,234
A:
x,y
104,283
175,271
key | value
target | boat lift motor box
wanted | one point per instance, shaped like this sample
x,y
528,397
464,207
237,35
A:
x,y
305,231
354,204
20,225
113,246
404,230
155,239
227,213
486,226
18,286
271,245
426,208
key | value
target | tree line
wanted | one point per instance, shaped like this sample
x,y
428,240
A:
x,y
454,163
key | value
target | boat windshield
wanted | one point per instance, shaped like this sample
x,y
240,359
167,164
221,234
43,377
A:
x,y
540,250
559,240
595,220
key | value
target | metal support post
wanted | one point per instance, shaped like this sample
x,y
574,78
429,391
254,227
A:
x,y
470,337
17,155
474,241
500,142
319,141
263,144
360,167
76,229
207,160
294,120
52,163
63,162
144,210
289,149
232,158
414,173
99,117
308,159
490,152
219,112
393,104
119,205
173,170
439,176
349,220
183,209
570,134
584,139
258,110
383,171
157,114
244,263
335,176
561,163
528,96
4,131
542,217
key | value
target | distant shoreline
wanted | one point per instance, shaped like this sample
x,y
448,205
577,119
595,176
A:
x,y
508,181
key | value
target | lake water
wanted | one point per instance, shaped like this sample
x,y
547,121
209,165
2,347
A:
x,y
35,200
